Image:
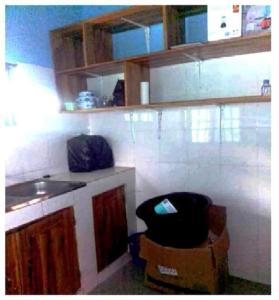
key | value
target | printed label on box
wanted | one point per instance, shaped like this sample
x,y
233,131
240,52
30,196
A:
x,y
224,21
167,271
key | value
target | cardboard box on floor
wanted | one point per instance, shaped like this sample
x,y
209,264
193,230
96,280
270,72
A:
x,y
204,268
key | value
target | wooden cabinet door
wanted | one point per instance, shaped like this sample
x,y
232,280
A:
x,y
48,255
13,265
110,225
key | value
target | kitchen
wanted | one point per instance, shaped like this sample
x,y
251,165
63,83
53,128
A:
x,y
220,147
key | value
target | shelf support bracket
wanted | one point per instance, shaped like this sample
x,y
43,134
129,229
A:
x,y
132,127
92,74
194,58
146,32
159,131
198,60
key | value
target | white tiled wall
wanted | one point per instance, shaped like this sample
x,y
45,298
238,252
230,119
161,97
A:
x,y
36,145
220,151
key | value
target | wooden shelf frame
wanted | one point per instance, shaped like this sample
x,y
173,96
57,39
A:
x,y
88,59
175,104
203,51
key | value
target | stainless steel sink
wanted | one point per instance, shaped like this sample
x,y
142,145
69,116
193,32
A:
x,y
30,192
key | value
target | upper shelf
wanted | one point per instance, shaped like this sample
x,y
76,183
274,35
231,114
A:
x,y
182,54
145,15
186,103
128,18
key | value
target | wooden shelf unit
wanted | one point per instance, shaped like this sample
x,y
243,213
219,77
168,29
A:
x,y
186,103
67,48
77,57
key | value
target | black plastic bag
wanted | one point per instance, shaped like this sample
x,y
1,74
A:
x,y
87,153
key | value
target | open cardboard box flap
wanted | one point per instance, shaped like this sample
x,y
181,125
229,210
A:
x,y
203,267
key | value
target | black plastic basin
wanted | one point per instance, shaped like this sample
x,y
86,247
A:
x,y
185,229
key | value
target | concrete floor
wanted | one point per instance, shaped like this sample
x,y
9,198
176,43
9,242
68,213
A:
x,y
129,281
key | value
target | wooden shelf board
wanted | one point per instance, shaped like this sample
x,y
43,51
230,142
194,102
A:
x,y
190,10
161,105
67,29
203,51
145,15
102,69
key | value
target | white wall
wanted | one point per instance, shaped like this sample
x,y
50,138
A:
x,y
230,163
36,144
220,151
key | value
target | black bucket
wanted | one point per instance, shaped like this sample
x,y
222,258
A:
x,y
185,229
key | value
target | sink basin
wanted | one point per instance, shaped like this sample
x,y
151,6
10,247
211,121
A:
x,y
30,192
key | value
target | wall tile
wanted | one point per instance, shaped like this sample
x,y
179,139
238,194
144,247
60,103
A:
x,y
243,253
173,119
204,180
146,172
264,250
239,147
203,153
239,115
142,120
14,162
237,186
146,146
264,115
204,117
170,177
36,154
264,186
57,152
173,141
264,146
123,153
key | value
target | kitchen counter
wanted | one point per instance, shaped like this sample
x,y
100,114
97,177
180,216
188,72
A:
x,y
87,177
90,176
35,191
97,182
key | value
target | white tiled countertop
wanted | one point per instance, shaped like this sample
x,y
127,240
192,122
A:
x,y
97,181
90,176
86,177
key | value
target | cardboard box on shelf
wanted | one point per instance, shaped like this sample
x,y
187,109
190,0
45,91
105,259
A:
x,y
256,18
204,268
223,21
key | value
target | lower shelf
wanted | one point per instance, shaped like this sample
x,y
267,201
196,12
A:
x,y
161,105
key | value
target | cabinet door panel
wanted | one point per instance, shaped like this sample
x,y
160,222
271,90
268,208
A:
x,y
110,226
49,260
13,265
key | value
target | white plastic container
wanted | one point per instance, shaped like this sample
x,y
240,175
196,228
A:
x,y
144,92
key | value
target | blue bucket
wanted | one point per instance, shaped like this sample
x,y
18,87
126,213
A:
x,y
134,246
